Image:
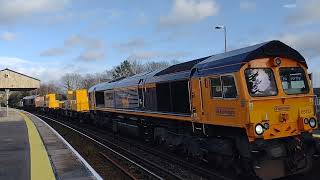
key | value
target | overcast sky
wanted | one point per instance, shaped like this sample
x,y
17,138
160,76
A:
x,y
47,38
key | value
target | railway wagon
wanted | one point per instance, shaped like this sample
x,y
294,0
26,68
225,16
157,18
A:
x,y
33,101
250,110
77,104
50,101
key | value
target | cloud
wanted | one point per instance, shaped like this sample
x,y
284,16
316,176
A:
x,y
8,36
82,40
306,42
16,10
130,45
189,11
91,55
147,55
46,71
73,15
93,48
54,52
247,5
74,40
290,6
305,13
11,61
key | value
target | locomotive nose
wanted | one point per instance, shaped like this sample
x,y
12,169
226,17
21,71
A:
x,y
281,118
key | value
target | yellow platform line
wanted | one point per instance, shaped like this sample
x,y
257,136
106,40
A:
x,y
40,164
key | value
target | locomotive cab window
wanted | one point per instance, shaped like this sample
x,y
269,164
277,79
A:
x,y
294,81
261,82
223,87
229,89
216,89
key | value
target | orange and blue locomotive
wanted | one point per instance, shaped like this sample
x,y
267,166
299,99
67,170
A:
x,y
249,110
252,106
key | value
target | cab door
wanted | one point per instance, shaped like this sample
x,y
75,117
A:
x,y
198,111
221,100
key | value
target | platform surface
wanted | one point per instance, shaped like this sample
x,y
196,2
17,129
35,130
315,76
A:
x,y
14,148
30,149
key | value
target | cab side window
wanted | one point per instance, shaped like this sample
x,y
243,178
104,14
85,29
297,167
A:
x,y
229,87
223,87
216,89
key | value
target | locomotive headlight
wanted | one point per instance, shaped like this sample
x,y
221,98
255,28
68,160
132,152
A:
x,y
312,122
266,126
259,129
306,121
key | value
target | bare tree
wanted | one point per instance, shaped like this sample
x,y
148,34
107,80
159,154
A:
x,y
71,81
46,88
90,80
136,66
105,76
153,65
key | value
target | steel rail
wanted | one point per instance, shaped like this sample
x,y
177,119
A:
x,y
117,153
118,166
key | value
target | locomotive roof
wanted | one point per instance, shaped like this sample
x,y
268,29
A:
x,y
129,81
217,64
233,60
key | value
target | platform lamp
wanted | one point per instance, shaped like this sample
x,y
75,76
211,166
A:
x,y
225,36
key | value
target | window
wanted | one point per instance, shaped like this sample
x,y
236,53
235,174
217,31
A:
x,y
223,86
260,82
99,96
293,81
216,90
108,99
229,86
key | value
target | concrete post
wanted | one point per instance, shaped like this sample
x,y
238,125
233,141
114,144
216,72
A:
x,y
7,100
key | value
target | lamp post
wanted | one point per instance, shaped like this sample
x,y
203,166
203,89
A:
x,y
225,36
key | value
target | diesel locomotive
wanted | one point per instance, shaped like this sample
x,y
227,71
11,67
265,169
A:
x,y
249,110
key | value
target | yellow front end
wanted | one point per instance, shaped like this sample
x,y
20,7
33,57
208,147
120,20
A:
x,y
281,117
287,107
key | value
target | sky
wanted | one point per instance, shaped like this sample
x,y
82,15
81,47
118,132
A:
x,y
48,38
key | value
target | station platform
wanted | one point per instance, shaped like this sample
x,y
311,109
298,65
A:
x,y
30,149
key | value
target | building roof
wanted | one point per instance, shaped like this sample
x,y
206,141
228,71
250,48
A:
x,y
6,69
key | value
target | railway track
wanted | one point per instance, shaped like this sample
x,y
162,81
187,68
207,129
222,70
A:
x,y
196,167
140,167
148,169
